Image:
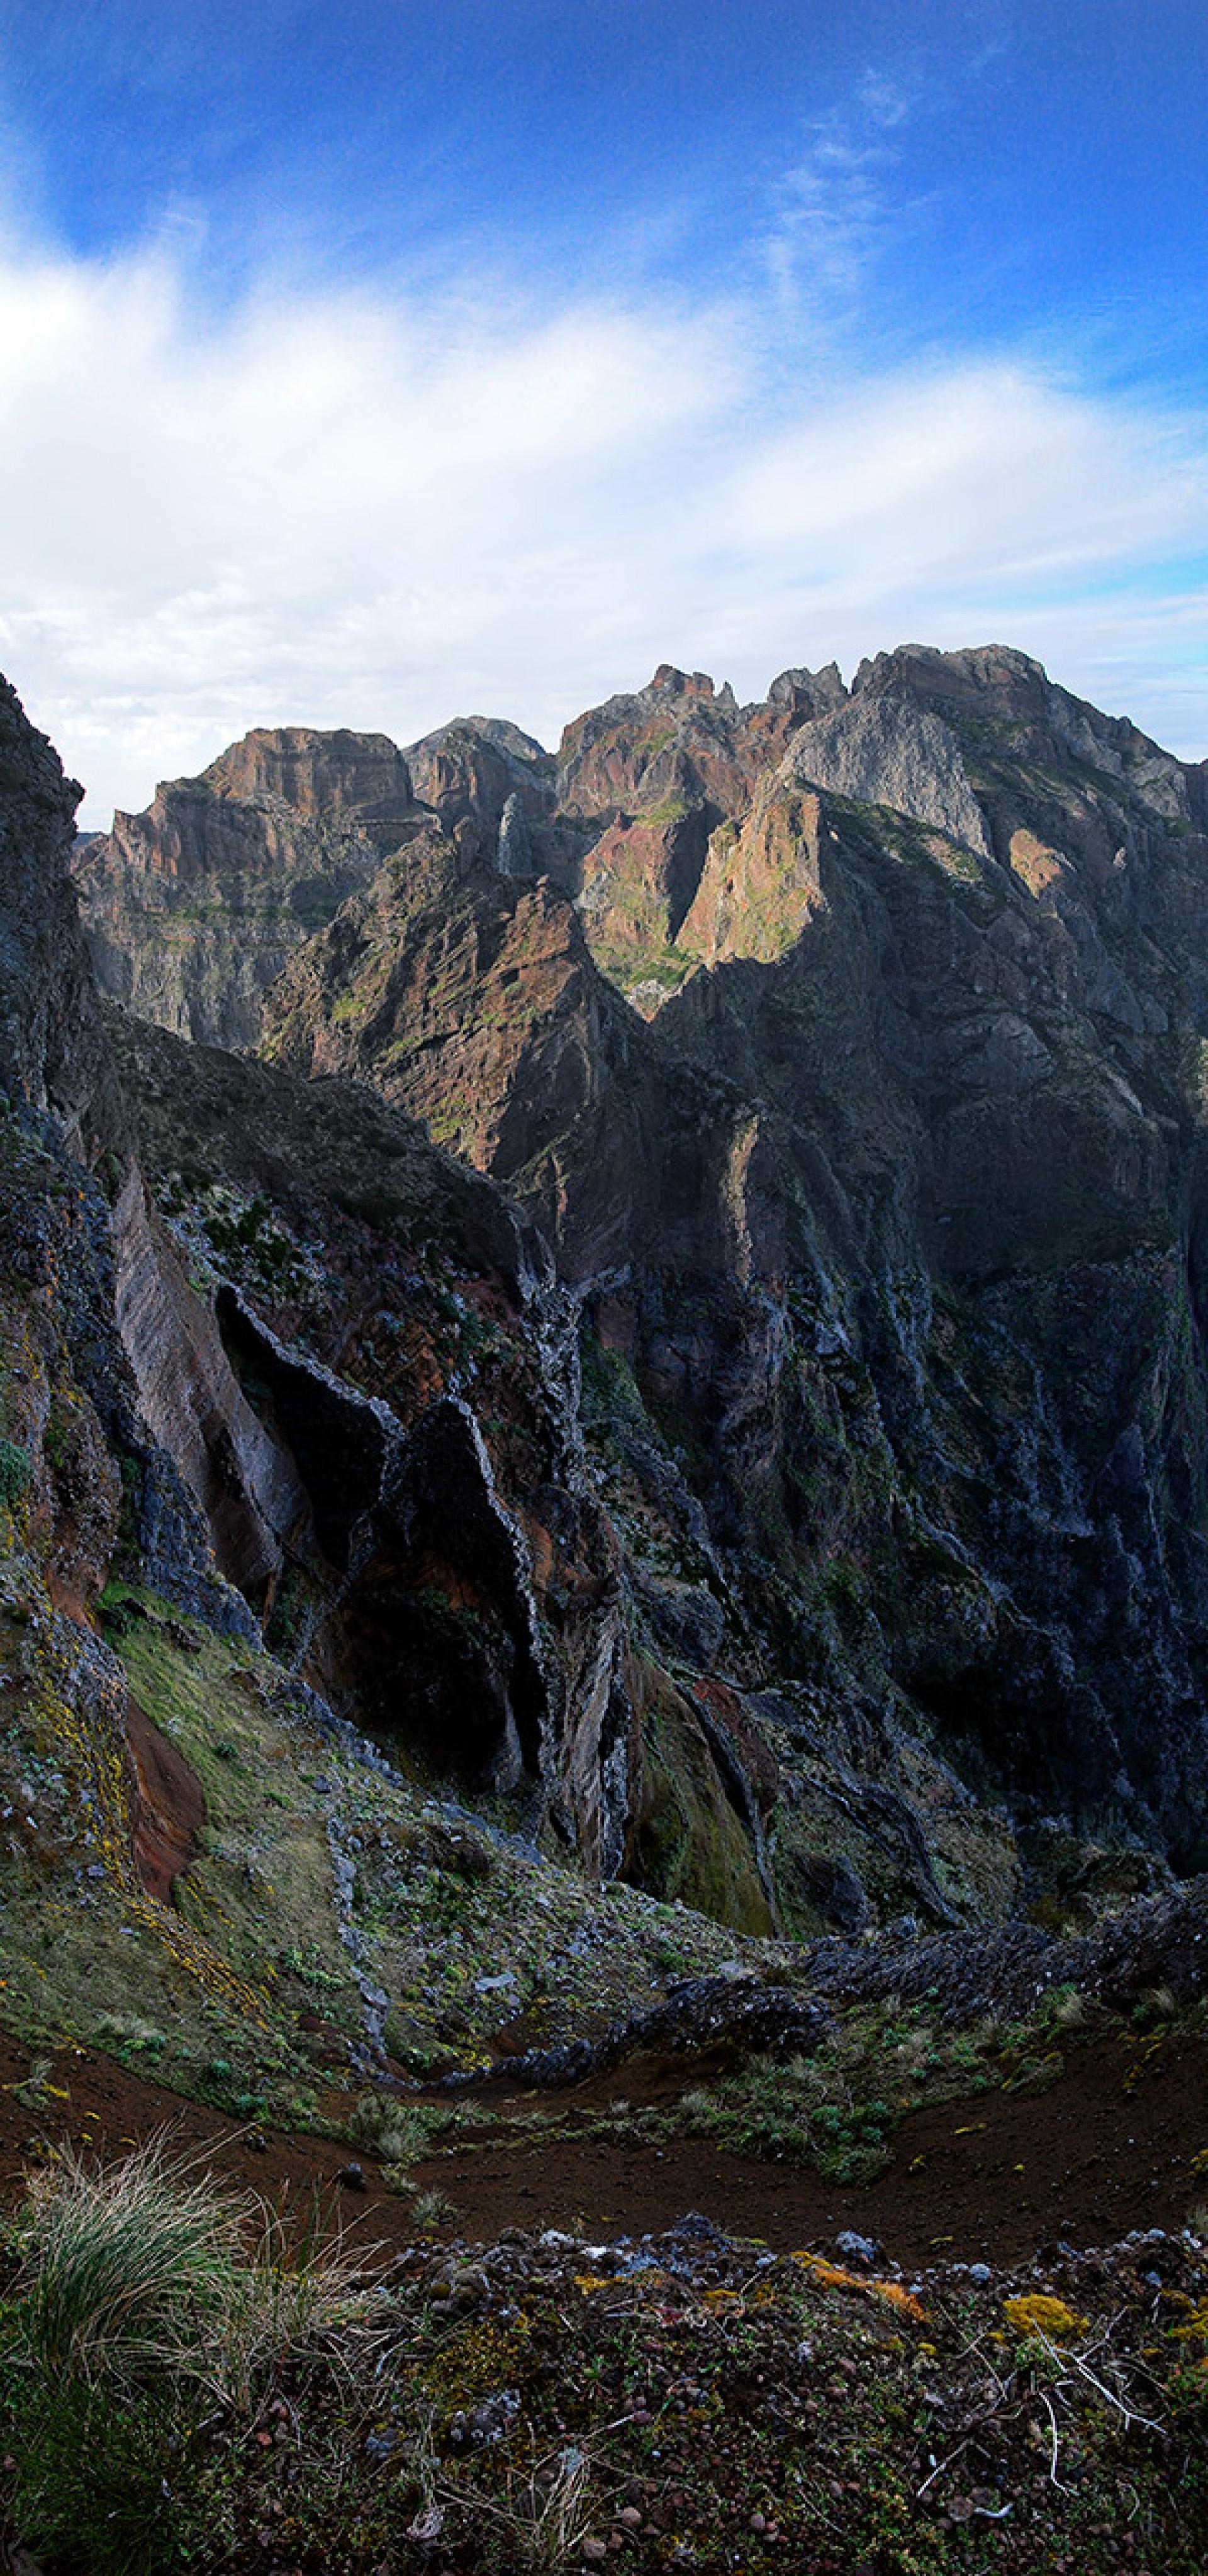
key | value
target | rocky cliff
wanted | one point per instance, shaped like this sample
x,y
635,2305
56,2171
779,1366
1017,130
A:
x,y
52,1057
910,1157
283,1364
193,907
818,1527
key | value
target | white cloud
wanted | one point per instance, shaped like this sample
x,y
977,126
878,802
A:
x,y
839,204
358,510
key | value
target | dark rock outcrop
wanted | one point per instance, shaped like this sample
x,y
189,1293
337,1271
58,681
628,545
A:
x,y
52,1056
439,1569
722,2019
1146,1953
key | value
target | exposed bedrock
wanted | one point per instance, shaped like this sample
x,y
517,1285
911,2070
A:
x,y
167,1805
245,1482
818,1529
193,907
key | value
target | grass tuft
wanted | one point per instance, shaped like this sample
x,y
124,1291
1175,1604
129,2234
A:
x,y
122,2265
149,2303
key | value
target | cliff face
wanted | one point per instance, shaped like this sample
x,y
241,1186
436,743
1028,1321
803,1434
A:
x,y
917,1120
821,1529
51,1054
391,1470
193,907
286,1368
473,1002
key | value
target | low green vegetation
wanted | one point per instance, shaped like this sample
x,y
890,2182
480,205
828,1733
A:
x,y
14,1473
317,1878
836,2112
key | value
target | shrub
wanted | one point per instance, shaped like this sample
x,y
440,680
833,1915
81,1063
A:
x,y
15,1472
394,2133
403,2133
433,2209
103,2488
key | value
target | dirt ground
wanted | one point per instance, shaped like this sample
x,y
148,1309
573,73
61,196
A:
x,y
1109,2148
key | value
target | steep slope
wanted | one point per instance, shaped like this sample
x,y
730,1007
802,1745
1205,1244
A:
x,y
472,1001
284,1368
954,933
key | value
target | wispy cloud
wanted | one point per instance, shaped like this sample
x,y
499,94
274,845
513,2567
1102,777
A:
x,y
839,199
354,509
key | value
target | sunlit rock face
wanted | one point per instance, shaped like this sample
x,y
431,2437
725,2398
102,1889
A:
x,y
841,1461
193,907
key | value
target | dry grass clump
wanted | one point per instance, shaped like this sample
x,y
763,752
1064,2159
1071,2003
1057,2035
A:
x,y
544,2510
129,2262
151,2264
147,2303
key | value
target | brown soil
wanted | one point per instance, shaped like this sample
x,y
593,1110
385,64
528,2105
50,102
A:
x,y
168,1805
1109,2148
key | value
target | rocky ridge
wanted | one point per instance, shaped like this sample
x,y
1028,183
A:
x,y
948,924
763,1536
194,907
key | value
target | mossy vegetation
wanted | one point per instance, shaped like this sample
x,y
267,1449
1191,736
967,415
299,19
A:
x,y
15,1473
691,1844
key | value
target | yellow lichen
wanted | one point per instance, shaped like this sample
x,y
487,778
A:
x,y
1037,2314
833,2277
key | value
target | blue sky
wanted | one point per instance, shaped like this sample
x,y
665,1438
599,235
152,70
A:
x,y
365,364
